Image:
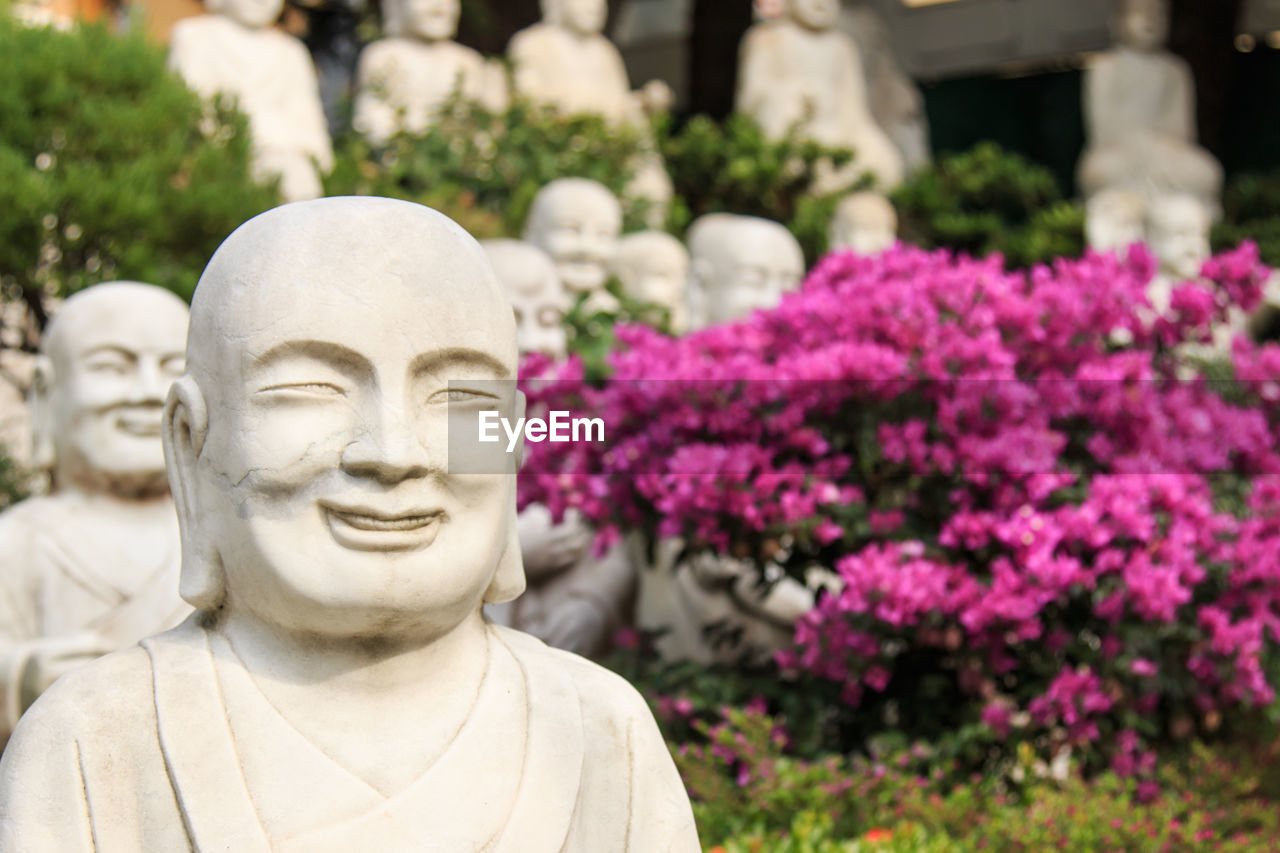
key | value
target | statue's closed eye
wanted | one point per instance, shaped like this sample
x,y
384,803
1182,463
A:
x,y
459,395
318,388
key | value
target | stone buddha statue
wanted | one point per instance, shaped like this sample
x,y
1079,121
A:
x,y
338,687
566,62
797,71
235,50
739,264
1178,231
1140,115
577,222
653,268
93,566
865,223
574,600
403,80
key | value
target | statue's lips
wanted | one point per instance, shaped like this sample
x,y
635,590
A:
x,y
142,425
367,529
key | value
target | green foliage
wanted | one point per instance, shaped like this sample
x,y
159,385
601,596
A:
x,y
735,168
483,169
11,481
1251,211
751,794
109,166
987,200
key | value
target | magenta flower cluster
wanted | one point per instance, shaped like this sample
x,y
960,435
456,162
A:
x,y
1018,473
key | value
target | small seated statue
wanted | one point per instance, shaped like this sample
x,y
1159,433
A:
x,y
1140,117
896,102
338,688
577,222
1178,231
574,600
566,62
1114,219
653,268
739,264
865,223
403,80
797,71
235,50
93,566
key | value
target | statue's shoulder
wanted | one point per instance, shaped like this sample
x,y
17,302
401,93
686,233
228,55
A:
x,y
22,523
108,700
602,693
533,38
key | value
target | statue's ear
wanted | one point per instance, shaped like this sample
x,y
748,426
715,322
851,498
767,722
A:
x,y
508,580
186,423
42,431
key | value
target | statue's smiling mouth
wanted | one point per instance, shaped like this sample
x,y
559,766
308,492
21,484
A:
x,y
367,529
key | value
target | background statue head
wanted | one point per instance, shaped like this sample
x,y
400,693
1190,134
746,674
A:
x,y
585,17
432,20
538,298
333,344
864,222
107,361
1115,218
653,267
254,14
814,14
577,222
1178,230
1142,24
739,264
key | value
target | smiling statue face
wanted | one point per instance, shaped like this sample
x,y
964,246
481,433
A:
x,y
113,352
253,13
577,223
349,332
434,20
744,264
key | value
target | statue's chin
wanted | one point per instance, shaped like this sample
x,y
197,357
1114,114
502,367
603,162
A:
x,y
125,485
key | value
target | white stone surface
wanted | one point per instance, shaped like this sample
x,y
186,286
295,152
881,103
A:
x,y
93,566
403,80
865,223
536,293
896,102
577,222
1140,117
339,689
799,71
1115,218
235,50
739,264
653,267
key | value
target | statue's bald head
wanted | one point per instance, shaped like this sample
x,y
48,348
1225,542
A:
x,y
307,257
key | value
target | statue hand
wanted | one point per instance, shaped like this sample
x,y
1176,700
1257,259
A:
x,y
656,97
551,548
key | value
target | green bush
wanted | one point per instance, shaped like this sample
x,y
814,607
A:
x,y
483,169
735,168
988,200
1251,211
109,166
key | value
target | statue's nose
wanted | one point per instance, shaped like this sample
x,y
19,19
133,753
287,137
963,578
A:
x,y
388,448
150,384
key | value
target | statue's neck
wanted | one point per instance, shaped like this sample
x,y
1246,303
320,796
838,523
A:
x,y
142,488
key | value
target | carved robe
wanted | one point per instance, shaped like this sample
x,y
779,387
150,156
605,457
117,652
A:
x,y
171,746
54,583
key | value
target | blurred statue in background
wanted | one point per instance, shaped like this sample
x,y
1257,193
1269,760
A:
x,y
1114,219
653,268
798,72
236,51
93,566
739,264
1178,230
865,223
577,222
566,62
573,600
1140,115
896,102
403,80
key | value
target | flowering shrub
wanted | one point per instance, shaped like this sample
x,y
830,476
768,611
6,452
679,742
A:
x,y
1040,530
750,795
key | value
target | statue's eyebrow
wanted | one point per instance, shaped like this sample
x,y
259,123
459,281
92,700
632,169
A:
x,y
434,361
118,349
335,355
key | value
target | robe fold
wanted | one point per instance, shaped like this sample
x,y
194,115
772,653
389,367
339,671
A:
x,y
171,746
